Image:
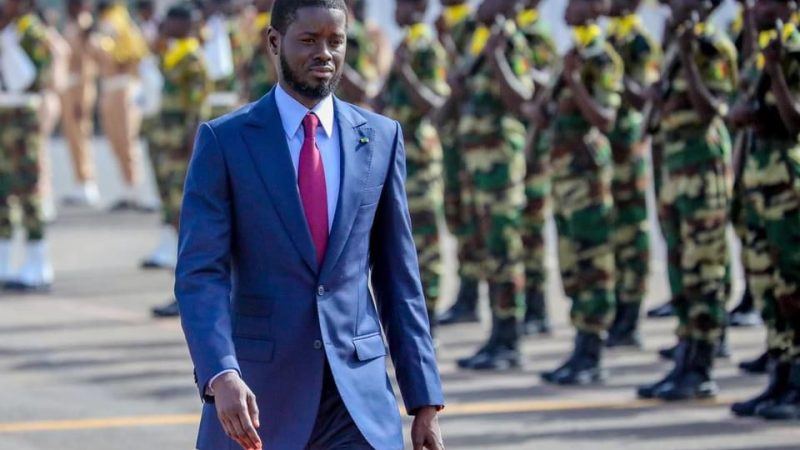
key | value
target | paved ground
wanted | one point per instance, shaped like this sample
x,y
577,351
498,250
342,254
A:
x,y
85,368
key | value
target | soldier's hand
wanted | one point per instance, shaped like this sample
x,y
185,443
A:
x,y
237,410
773,52
456,82
572,63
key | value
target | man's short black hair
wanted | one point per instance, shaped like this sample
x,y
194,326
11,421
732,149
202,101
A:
x,y
145,4
180,12
284,12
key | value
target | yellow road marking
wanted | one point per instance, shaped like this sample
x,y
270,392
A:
x,y
452,410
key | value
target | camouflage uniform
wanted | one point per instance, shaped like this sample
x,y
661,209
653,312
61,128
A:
x,y
19,139
696,192
491,141
537,178
581,176
359,55
261,73
428,60
771,182
186,85
461,32
641,55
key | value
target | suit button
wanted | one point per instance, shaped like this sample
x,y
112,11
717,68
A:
x,y
321,291
317,344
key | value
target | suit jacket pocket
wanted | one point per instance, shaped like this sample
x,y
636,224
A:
x,y
257,350
369,347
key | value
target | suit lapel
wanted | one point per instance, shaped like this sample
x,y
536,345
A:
x,y
266,142
356,154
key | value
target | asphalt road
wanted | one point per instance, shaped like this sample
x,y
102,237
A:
x,y
86,368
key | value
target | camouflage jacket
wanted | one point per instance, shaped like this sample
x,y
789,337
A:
x,y
358,56
33,40
640,53
539,37
484,117
715,56
186,82
428,60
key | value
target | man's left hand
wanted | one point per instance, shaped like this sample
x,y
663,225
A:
x,y
425,432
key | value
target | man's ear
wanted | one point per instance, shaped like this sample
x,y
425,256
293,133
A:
x,y
274,40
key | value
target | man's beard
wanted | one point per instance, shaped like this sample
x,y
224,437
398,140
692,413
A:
x,y
319,92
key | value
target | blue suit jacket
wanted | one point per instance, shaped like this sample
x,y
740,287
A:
x,y
253,297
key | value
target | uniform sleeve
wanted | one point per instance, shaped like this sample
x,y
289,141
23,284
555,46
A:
x,y
430,65
34,42
196,82
543,51
607,74
518,55
721,70
645,61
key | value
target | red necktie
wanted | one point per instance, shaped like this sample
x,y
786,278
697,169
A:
x,y
313,191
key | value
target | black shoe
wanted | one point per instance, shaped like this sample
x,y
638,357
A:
x,y
693,380
649,391
624,332
583,366
536,321
149,264
132,206
665,310
465,309
778,384
787,407
166,311
723,350
745,314
668,353
756,366
501,352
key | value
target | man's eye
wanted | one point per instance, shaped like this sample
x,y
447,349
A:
x,y
307,41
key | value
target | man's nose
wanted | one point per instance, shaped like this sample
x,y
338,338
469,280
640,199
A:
x,y
324,52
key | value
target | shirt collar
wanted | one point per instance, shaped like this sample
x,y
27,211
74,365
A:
x,y
293,112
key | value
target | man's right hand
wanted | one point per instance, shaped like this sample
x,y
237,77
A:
x,y
237,410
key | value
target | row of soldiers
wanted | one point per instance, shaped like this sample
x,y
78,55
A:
x,y
501,132
515,132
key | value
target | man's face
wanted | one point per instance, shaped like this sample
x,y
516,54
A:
x,y
489,9
176,28
406,11
580,12
620,7
768,12
311,52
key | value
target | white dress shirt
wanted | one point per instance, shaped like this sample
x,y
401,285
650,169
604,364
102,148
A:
x,y
292,114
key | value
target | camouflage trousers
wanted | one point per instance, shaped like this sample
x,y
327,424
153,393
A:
x,y
629,189
168,144
493,199
425,203
583,210
694,202
772,251
20,142
538,206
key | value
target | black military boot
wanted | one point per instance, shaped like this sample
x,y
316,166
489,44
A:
x,y
755,366
787,407
745,314
167,311
723,350
465,309
694,381
583,366
624,332
649,391
665,310
501,351
778,384
536,320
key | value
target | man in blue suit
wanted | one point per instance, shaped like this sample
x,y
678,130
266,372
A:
x,y
292,205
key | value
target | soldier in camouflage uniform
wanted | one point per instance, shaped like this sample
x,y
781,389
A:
x,y
417,86
641,55
360,78
491,141
772,204
696,198
456,26
261,76
581,162
183,107
19,148
537,178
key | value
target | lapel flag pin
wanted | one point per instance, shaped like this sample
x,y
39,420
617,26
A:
x,y
364,140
